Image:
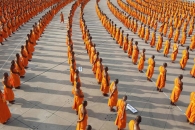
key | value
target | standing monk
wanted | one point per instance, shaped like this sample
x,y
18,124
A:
x,y
185,57
175,51
167,47
14,75
121,113
78,97
160,82
83,117
134,124
141,61
99,71
61,17
178,87
190,112
150,70
8,92
4,110
192,72
20,65
105,82
112,101
135,53
24,54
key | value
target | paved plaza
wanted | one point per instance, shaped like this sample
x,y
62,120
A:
x,y
45,101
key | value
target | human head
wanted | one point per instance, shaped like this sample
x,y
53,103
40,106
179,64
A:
x,y
138,118
180,76
116,81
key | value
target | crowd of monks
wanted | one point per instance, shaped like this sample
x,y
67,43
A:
x,y
20,63
137,11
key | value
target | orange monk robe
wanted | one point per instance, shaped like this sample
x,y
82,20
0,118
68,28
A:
x,y
176,36
72,73
192,72
135,54
8,93
165,29
120,42
61,18
161,28
21,70
191,29
1,36
112,101
159,43
104,86
160,82
4,110
15,78
121,123
83,124
184,59
130,48
183,39
170,32
175,51
192,96
24,54
166,48
192,44
141,62
190,112
131,124
142,33
147,34
77,100
99,71
125,44
139,31
150,69
28,52
153,40
176,91
96,59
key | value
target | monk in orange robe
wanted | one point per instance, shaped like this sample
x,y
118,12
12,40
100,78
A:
x,y
192,96
95,61
105,82
159,43
185,57
141,61
61,17
147,35
8,92
167,47
153,40
125,43
190,112
112,101
183,38
130,48
178,87
134,124
135,53
120,121
1,34
78,97
192,44
160,82
150,69
99,71
20,66
83,116
5,114
72,73
192,72
14,75
175,51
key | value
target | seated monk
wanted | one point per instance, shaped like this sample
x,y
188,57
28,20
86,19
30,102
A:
x,y
14,75
5,114
78,97
134,124
105,82
112,101
8,92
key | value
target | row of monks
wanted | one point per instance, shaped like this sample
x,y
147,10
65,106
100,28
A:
x,y
18,66
133,52
15,13
100,73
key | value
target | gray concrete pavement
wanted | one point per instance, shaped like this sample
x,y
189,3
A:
x,y
45,100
